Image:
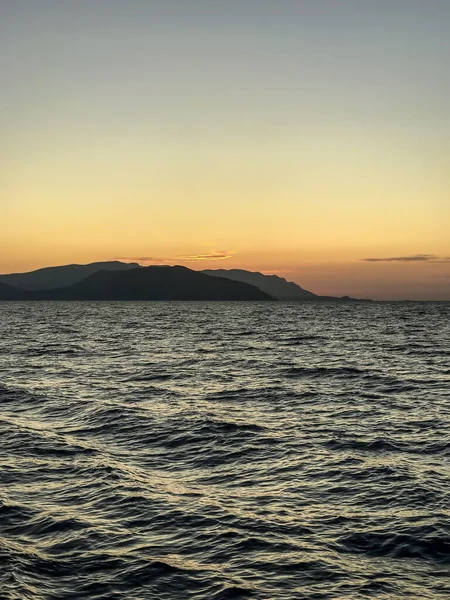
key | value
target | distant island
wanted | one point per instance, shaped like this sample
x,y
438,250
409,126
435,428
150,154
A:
x,y
141,283
55,277
116,280
274,285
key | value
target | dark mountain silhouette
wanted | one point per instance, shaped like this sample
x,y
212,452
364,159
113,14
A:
x,y
146,283
8,292
54,277
277,287
57,280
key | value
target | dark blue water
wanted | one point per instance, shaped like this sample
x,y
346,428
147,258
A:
x,y
214,451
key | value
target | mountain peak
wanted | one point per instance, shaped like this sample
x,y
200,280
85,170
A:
x,y
60,276
274,285
144,283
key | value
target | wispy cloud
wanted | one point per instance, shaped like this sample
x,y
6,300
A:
x,y
211,256
411,258
138,258
218,255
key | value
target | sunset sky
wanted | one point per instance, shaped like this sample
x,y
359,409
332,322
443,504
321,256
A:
x,y
298,137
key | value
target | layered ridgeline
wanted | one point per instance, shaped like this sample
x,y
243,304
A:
x,y
53,279
143,283
275,286
56,277
8,292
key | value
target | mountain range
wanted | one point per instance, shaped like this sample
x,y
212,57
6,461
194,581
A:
x,y
142,283
116,280
275,286
55,277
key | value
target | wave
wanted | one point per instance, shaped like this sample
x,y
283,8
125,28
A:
x,y
210,452
420,542
324,372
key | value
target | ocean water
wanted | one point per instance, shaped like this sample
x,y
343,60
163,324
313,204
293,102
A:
x,y
224,450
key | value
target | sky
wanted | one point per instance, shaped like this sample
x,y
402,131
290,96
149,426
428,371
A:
x,y
296,137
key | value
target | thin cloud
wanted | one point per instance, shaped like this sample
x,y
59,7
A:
x,y
211,256
219,255
412,258
139,258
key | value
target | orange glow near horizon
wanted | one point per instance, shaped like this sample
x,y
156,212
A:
x,y
264,146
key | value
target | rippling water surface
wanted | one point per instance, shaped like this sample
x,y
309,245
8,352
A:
x,y
214,451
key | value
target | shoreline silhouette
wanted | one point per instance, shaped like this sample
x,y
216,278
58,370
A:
x,y
116,280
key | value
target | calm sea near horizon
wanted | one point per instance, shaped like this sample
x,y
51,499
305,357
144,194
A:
x,y
213,451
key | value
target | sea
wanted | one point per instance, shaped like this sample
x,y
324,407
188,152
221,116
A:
x,y
210,451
